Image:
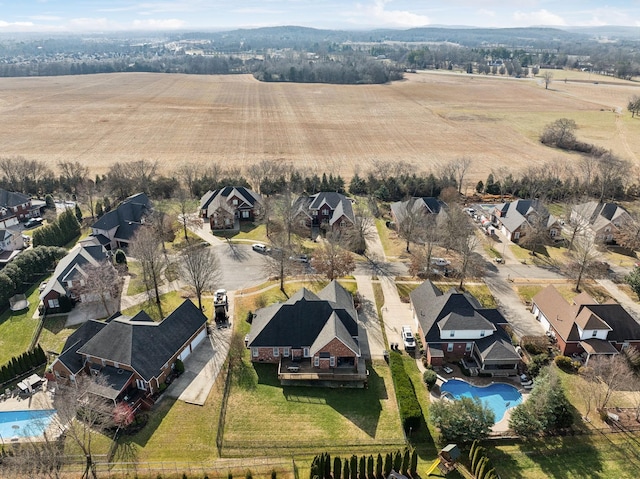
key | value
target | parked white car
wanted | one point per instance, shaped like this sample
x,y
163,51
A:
x,y
407,338
440,261
261,248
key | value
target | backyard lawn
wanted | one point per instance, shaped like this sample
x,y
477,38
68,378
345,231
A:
x,y
16,329
170,301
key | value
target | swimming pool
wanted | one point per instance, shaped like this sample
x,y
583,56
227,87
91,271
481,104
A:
x,y
24,423
499,397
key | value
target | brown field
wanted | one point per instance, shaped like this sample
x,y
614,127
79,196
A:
x,y
426,119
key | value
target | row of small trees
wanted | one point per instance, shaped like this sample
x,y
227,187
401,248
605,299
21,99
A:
x,y
479,464
365,467
58,233
21,273
410,410
19,365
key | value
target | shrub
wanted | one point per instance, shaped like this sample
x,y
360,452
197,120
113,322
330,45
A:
x,y
565,363
429,377
248,475
535,344
537,362
410,411
179,367
121,257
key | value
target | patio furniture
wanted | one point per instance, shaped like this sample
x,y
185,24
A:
x,y
447,369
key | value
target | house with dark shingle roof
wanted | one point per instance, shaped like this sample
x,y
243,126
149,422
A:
x,y
134,355
604,220
455,326
226,205
312,337
583,326
116,228
14,207
326,208
426,206
70,273
515,218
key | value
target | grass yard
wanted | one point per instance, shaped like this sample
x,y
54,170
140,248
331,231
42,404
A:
x,y
260,406
592,289
479,290
527,292
248,231
170,301
17,328
404,289
54,333
391,244
136,284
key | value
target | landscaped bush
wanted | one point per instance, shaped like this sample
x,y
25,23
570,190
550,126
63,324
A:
x,y
179,367
567,364
429,377
535,344
22,364
410,411
537,363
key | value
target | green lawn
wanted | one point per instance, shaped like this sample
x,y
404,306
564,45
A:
x,y
248,231
17,329
170,302
404,289
391,244
136,284
54,334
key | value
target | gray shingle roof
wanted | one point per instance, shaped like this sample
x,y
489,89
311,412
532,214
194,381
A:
x,y
339,204
426,204
142,344
298,322
334,328
126,216
69,355
212,200
10,199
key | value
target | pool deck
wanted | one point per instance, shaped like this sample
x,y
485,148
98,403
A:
x,y
502,425
38,400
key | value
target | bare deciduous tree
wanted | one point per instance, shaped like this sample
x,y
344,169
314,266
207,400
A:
x,y
200,269
547,77
411,221
583,255
23,174
186,217
460,167
607,374
102,282
145,247
363,229
332,261
72,175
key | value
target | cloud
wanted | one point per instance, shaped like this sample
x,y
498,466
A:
x,y
159,24
11,25
541,17
377,14
45,18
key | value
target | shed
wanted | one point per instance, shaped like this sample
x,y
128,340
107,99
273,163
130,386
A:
x,y
451,452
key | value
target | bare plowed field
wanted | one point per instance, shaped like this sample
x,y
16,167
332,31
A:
x,y
427,119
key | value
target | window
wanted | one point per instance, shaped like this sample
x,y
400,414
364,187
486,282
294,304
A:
x,y
305,352
594,333
285,352
276,352
516,235
468,347
553,233
314,213
332,361
482,334
245,214
449,347
316,361
54,303
235,202
452,334
141,384
325,212
254,352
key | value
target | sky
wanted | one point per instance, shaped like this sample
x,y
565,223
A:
x,y
116,15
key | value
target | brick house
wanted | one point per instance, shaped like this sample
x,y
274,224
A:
x,y
583,326
70,273
454,326
326,208
11,242
135,355
312,337
604,220
224,206
14,207
116,228
515,218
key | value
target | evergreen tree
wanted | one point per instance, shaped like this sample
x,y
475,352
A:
x,y
346,470
78,213
337,467
379,465
362,469
370,467
388,464
406,457
354,467
413,468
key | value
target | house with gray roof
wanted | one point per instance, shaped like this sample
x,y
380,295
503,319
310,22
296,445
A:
x,y
604,220
222,207
427,206
455,326
71,273
313,338
334,210
14,207
116,228
516,218
134,355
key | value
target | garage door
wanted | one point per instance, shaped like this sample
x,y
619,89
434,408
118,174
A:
x,y
184,354
198,339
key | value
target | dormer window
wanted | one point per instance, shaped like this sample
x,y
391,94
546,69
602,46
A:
x,y
325,211
234,202
594,333
452,334
482,334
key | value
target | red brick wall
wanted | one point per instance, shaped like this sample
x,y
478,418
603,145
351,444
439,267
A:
x,y
336,348
459,350
265,355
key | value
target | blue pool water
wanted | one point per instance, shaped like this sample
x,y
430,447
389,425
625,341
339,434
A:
x,y
24,423
499,397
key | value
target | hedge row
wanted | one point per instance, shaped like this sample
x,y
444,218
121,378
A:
x,y
364,467
410,410
29,266
58,233
22,364
479,464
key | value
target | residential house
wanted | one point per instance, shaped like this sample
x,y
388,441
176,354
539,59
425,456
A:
x,y
116,228
425,205
134,355
14,207
516,218
583,326
331,209
455,326
224,206
69,275
604,220
312,337
11,242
